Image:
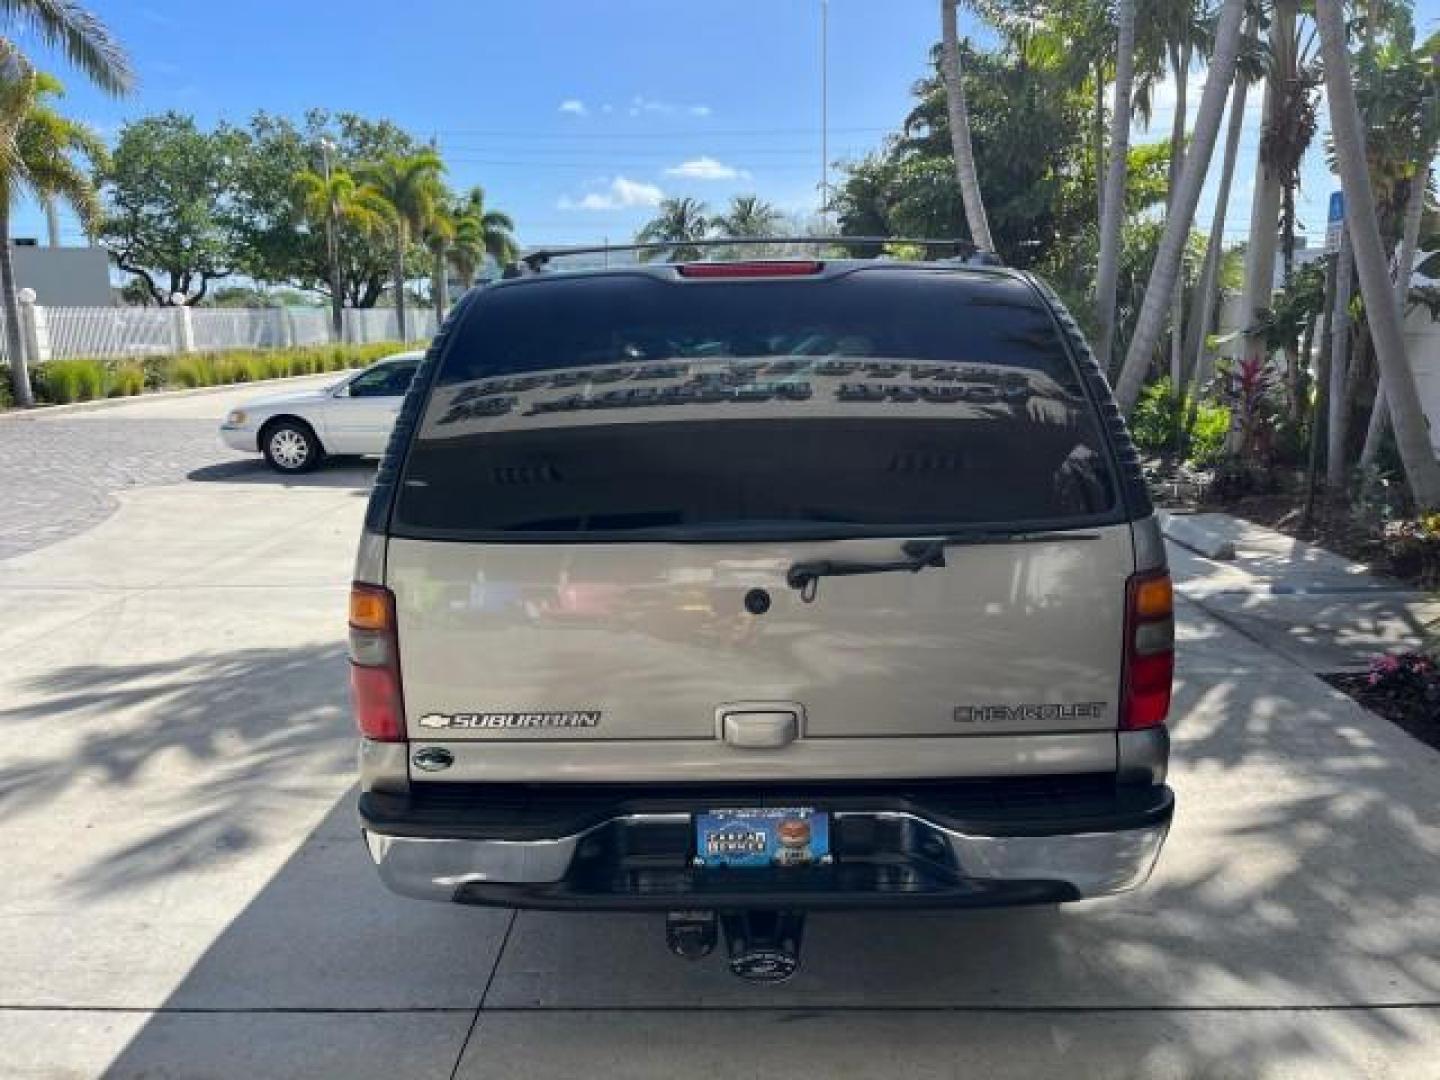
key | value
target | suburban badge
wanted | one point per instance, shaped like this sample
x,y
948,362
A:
x,y
512,721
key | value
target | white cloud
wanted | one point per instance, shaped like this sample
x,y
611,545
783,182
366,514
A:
x,y
621,194
607,108
707,168
574,106
640,104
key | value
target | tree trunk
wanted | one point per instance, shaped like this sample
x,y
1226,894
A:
x,y
52,220
1404,269
1180,62
442,287
960,129
398,279
1265,205
1412,438
1177,223
1339,347
1112,221
10,302
1322,396
1202,308
1097,139
337,279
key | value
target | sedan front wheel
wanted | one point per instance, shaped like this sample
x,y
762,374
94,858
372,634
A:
x,y
290,446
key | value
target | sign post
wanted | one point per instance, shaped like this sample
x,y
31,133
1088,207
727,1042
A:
x,y
1335,222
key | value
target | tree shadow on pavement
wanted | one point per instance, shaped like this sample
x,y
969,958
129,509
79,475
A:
x,y
1301,876
200,749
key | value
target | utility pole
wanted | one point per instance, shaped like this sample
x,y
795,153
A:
x,y
332,246
824,112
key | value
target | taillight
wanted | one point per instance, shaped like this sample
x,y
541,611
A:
x,y
375,664
1149,650
766,268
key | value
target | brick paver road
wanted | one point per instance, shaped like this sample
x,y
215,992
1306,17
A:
x,y
60,472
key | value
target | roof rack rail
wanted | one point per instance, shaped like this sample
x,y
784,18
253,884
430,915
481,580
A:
x,y
964,251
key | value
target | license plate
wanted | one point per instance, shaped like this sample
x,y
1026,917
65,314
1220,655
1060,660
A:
x,y
754,839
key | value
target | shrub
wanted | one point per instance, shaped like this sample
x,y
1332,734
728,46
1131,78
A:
x,y
193,371
159,371
1207,437
232,368
126,379
1410,676
1155,421
6,398
1152,425
62,381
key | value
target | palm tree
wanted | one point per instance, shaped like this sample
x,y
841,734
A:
x,y
1182,206
480,232
1288,122
411,184
341,201
1411,436
1404,271
1406,122
1202,308
46,156
680,221
1112,203
87,45
959,114
750,216
438,235
1180,29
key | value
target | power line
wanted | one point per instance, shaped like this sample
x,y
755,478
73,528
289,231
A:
x,y
675,134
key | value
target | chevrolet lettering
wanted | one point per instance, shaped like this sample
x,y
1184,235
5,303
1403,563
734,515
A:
x,y
999,714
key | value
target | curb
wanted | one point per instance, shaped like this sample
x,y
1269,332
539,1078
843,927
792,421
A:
x,y
154,395
1197,538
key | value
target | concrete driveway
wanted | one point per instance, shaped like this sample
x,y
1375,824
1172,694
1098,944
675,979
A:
x,y
183,891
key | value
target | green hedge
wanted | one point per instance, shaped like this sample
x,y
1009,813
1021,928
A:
x,y
59,382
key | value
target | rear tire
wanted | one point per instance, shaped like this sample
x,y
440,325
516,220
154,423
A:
x,y
291,446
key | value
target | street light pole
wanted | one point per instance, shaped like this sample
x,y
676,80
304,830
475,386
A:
x,y
332,247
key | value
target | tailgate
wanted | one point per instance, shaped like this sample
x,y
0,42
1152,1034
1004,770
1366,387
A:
x,y
654,645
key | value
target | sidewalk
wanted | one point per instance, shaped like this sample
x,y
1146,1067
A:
x,y
1315,608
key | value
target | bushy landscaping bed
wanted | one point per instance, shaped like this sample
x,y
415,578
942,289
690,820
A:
x,y
1404,689
60,382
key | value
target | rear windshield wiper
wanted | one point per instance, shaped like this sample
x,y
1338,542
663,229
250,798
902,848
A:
x,y
804,577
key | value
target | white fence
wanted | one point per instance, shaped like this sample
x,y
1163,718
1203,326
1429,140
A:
x,y
57,333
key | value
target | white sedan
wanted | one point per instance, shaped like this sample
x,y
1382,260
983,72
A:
x,y
296,431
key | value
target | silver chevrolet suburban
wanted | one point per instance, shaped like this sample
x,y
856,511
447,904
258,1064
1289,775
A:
x,y
734,590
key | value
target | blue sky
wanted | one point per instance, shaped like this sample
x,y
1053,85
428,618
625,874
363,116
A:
x,y
575,116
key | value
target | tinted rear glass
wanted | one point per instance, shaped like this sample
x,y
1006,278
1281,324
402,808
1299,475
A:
x,y
632,406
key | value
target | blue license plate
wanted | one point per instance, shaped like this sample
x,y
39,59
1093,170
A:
x,y
754,839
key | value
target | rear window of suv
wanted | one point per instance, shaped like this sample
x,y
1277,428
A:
x,y
874,402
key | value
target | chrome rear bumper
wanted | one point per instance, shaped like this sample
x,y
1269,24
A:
x,y
897,857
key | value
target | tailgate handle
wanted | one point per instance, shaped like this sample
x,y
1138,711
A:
x,y
758,729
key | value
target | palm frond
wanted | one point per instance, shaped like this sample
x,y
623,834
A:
x,y
79,35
